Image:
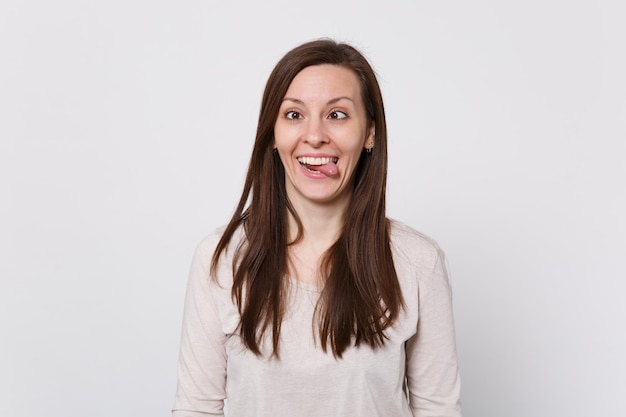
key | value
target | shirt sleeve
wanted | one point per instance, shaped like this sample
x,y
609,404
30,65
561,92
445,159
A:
x,y
201,388
432,368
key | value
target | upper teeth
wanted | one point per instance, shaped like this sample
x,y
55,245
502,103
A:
x,y
310,160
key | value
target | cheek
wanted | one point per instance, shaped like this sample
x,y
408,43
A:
x,y
356,145
282,136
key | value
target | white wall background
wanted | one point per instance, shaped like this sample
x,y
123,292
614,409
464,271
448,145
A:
x,y
126,128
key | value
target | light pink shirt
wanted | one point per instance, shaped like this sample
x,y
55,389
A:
x,y
414,374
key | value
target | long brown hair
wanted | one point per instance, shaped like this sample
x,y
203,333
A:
x,y
361,296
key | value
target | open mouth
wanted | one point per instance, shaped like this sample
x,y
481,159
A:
x,y
326,165
313,163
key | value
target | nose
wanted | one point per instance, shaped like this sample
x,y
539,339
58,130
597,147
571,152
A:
x,y
315,134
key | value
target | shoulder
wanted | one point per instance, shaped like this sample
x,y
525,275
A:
x,y
205,249
209,243
413,247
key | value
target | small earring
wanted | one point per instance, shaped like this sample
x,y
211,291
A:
x,y
369,150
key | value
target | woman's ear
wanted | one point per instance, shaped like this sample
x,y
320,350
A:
x,y
369,142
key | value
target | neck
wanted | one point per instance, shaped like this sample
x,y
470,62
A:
x,y
321,227
321,223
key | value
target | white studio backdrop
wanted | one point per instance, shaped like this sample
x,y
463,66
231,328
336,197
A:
x,y
125,132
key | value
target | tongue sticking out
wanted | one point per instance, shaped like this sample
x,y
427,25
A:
x,y
330,169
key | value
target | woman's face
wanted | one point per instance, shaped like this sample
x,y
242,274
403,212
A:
x,y
320,133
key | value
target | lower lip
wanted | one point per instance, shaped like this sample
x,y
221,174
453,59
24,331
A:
x,y
314,175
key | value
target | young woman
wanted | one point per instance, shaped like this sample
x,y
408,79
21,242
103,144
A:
x,y
310,302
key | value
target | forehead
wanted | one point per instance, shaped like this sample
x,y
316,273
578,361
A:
x,y
325,81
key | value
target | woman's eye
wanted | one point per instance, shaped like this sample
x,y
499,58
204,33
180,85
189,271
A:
x,y
337,115
293,115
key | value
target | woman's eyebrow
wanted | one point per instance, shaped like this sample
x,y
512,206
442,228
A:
x,y
295,100
335,100
331,101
